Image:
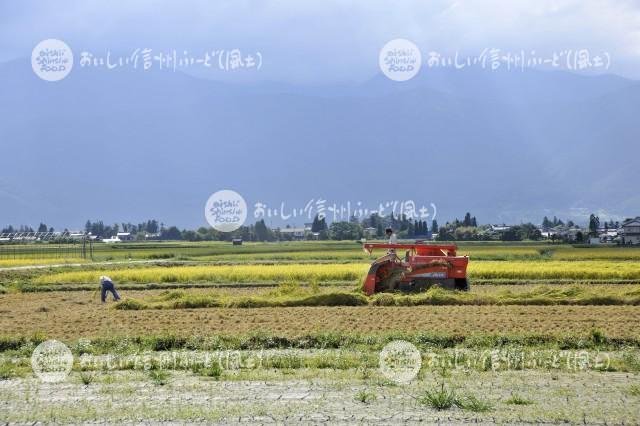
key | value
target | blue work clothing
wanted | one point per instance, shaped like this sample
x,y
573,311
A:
x,y
108,286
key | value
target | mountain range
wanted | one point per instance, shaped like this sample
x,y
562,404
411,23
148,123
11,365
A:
x,y
130,145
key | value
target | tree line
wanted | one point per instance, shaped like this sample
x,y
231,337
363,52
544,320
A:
x,y
372,227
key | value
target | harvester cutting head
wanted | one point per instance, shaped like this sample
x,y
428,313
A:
x,y
423,266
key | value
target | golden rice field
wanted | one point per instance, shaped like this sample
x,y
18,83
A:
x,y
215,273
519,270
9,263
337,255
556,269
490,252
475,252
627,253
357,254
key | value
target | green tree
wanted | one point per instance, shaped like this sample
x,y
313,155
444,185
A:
x,y
345,231
511,234
171,233
467,219
315,226
594,224
189,235
466,233
262,232
528,231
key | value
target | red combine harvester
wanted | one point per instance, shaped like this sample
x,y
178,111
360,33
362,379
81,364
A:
x,y
423,266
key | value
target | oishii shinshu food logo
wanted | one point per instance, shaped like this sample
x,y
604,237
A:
x,y
226,210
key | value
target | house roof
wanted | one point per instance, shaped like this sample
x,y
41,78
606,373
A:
x,y
292,230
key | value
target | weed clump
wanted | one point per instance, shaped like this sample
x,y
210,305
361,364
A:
x,y
214,370
159,377
517,399
365,396
440,398
443,398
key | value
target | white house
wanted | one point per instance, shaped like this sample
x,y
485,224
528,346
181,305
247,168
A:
x,y
112,240
295,233
124,236
370,232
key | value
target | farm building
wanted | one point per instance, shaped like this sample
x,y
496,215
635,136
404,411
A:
x,y
370,232
631,231
293,233
124,236
495,232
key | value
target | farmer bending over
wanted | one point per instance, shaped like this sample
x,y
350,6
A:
x,y
107,285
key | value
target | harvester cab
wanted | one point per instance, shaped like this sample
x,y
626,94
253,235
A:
x,y
422,266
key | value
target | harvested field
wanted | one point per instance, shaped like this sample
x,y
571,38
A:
x,y
76,314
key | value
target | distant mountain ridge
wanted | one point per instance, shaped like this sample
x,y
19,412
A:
x,y
131,146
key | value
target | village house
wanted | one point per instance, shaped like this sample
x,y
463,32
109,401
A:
x,y
124,236
293,233
631,231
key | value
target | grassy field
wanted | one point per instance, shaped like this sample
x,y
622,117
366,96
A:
x,y
304,298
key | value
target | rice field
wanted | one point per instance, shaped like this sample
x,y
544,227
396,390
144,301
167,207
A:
x,y
605,270
75,315
328,274
610,253
215,273
290,295
306,297
556,269
10,263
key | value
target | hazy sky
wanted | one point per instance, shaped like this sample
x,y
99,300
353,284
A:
x,y
329,40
